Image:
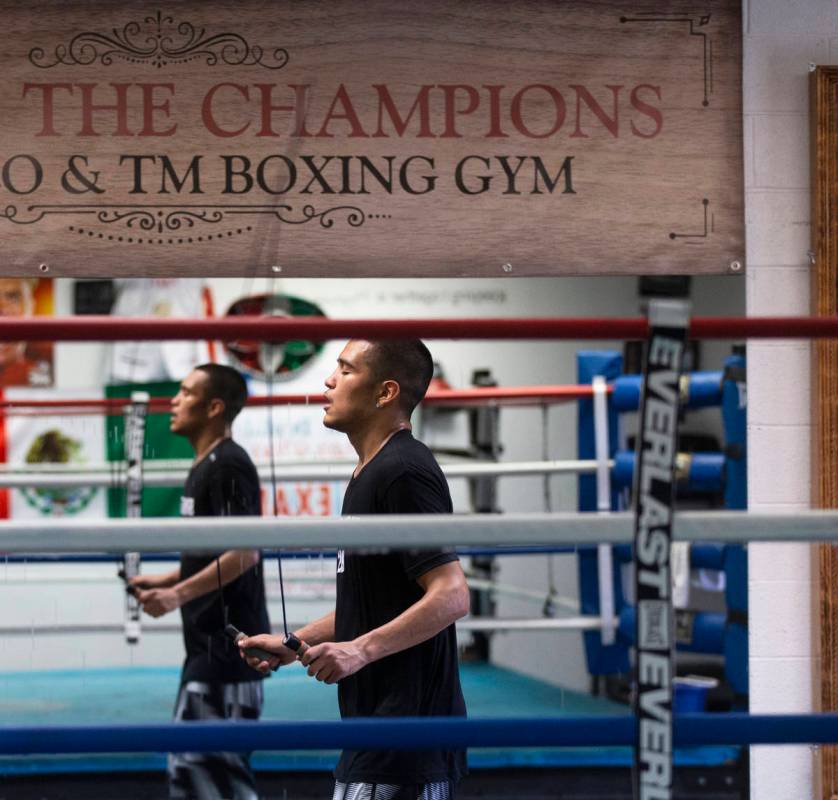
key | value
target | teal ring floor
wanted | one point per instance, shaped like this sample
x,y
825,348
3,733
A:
x,y
146,695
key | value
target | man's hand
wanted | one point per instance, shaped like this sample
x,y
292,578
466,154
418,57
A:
x,y
157,602
282,655
149,581
332,661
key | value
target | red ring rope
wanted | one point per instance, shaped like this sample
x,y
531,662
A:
x,y
506,395
92,328
99,328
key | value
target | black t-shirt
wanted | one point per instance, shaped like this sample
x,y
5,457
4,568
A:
x,y
223,484
372,589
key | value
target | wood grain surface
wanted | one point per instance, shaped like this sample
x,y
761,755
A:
x,y
371,138
824,161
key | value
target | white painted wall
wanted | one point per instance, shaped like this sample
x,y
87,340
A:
x,y
781,37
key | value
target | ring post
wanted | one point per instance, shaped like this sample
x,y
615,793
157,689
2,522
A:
x,y
654,493
135,423
605,561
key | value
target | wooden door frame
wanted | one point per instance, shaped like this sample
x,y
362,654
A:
x,y
824,165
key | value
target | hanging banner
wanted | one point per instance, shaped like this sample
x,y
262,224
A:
x,y
371,138
59,439
654,493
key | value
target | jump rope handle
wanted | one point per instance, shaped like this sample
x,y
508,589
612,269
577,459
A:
x,y
297,645
254,652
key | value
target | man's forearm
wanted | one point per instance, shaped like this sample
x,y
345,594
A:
x,y
232,564
168,579
438,608
319,631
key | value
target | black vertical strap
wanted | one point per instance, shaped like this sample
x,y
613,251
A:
x,y
269,248
654,500
135,425
272,461
269,367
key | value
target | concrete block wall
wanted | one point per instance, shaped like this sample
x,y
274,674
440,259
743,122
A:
x,y
781,39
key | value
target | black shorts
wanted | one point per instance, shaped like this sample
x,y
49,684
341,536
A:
x,y
390,791
213,776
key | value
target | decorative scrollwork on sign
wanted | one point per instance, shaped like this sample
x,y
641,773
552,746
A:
x,y
158,41
161,218
695,22
690,238
354,215
161,221
145,219
10,213
177,219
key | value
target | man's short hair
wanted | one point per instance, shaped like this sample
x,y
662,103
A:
x,y
225,384
406,361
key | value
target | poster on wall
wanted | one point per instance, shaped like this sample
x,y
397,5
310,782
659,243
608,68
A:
x,y
299,438
159,445
60,439
26,363
371,138
270,361
160,298
286,435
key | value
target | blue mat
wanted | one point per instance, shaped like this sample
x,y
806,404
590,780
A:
x,y
146,695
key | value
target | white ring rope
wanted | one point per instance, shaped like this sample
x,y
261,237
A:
x,y
420,531
149,465
563,624
55,578
23,478
507,590
183,465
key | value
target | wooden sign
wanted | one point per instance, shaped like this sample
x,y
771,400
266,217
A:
x,y
371,138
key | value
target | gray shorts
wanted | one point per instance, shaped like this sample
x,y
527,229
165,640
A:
x,y
214,776
389,791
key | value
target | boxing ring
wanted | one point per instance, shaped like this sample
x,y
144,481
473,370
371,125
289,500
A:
x,y
529,733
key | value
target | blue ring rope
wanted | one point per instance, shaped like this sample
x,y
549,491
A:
x,y
414,734
93,558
